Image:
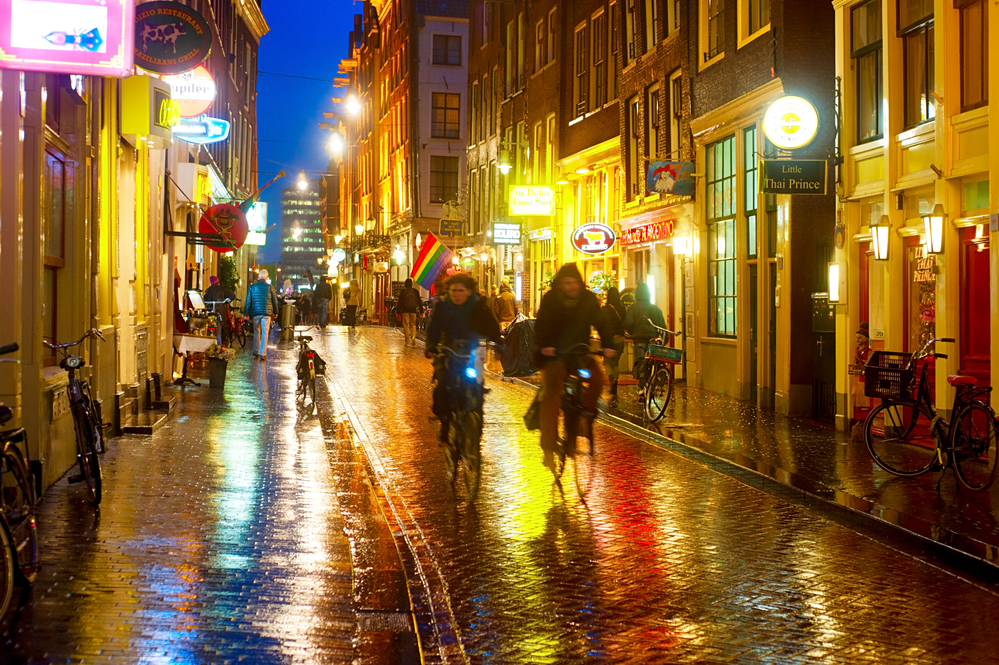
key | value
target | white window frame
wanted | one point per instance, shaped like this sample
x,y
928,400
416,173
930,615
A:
x,y
743,21
703,61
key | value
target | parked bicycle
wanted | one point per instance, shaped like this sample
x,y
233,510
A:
x,y
907,437
463,454
18,530
574,440
231,323
86,417
309,366
658,372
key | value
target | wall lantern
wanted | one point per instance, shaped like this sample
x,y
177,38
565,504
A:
x,y
681,246
359,229
837,284
933,225
880,233
504,162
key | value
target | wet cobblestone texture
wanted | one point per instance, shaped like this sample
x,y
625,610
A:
x,y
219,540
670,562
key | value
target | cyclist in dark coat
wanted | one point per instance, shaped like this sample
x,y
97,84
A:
x,y
460,315
637,323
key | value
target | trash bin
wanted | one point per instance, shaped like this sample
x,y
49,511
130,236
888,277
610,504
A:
x,y
287,322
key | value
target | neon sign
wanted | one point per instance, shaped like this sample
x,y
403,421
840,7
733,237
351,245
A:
x,y
67,36
648,232
202,130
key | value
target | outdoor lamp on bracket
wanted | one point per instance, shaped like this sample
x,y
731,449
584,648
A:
x,y
880,233
336,143
933,226
358,228
504,162
353,104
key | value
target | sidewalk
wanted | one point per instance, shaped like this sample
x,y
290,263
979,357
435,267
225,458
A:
x,y
822,463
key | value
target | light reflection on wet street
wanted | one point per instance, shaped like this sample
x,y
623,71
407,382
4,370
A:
x,y
248,530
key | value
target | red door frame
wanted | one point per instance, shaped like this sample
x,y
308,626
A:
x,y
975,308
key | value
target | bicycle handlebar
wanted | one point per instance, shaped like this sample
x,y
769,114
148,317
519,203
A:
x,y
665,330
923,352
8,348
93,332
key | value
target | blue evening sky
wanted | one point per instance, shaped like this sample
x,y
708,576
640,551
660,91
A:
x,y
307,38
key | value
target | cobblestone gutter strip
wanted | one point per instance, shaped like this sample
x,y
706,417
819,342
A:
x,y
915,536
436,626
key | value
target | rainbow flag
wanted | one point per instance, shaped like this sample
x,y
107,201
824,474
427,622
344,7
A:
x,y
433,258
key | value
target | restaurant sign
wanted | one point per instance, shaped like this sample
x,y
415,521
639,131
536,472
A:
x,y
170,38
531,200
505,233
648,232
791,123
794,176
194,91
593,238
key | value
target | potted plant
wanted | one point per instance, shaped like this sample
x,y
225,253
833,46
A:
x,y
218,356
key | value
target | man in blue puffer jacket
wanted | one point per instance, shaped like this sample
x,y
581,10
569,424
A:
x,y
261,304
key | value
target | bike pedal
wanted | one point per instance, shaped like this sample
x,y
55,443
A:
x,y
76,478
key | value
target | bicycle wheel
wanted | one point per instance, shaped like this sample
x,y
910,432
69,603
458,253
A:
x,y
472,454
900,435
88,436
240,331
18,507
566,438
582,461
456,433
7,568
658,393
975,446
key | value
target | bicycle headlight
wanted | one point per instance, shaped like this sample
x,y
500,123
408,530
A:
x,y
471,373
74,362
584,373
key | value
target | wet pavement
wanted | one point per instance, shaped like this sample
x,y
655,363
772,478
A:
x,y
249,530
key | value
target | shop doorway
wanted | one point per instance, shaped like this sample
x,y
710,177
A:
x,y
769,394
824,337
754,337
975,305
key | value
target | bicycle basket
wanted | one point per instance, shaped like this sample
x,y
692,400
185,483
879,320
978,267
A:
x,y
665,353
886,376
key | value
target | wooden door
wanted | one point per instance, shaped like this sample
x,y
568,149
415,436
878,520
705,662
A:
x,y
975,306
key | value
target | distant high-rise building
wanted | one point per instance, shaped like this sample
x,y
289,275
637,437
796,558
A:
x,y
301,233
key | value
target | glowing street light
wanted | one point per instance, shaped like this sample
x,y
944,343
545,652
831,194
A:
x,y
504,162
359,228
879,238
336,143
353,104
933,225
302,182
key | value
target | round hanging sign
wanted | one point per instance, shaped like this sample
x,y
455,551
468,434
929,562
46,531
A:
x,y
228,221
194,91
791,123
338,255
170,38
593,238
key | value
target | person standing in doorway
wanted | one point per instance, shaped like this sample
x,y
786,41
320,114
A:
x,y
639,322
613,314
261,304
321,301
353,297
505,306
409,306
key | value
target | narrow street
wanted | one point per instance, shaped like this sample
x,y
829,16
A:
x,y
246,529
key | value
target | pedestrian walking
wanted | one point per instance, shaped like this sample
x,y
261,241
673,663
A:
x,y
613,314
505,306
491,300
323,295
637,323
409,307
353,296
261,304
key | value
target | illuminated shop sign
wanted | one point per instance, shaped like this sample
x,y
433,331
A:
x,y
339,254
648,232
673,178
541,234
226,220
170,38
593,238
791,123
194,91
506,234
794,176
256,217
529,200
67,36
202,130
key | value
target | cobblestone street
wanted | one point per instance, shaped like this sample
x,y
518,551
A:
x,y
246,529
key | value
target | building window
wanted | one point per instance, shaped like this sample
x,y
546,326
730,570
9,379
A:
x,y
521,29
473,129
443,179
867,54
633,133
490,186
445,116
651,19
974,54
582,72
715,17
652,123
550,150
473,203
676,115
599,58
494,102
629,32
552,36
751,192
672,16
721,237
58,195
511,56
447,50
915,27
539,46
615,47
757,14
520,159
485,110
537,156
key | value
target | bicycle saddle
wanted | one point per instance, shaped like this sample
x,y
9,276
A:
x,y
957,380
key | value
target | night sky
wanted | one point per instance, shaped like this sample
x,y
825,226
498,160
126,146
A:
x,y
307,38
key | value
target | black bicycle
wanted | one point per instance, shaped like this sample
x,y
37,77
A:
x,y
86,417
18,529
574,440
658,372
466,395
309,366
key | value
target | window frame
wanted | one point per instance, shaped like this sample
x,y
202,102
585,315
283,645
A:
x,y
875,51
552,36
962,6
653,121
581,70
443,175
750,189
445,125
633,118
710,20
539,46
447,50
676,115
717,179
598,59
922,29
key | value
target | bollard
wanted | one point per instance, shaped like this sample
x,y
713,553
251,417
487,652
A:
x,y
287,321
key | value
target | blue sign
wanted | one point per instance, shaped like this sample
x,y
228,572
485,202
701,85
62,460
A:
x,y
201,130
673,178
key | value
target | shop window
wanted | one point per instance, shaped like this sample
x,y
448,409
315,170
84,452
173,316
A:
x,y
582,73
721,186
867,56
599,60
974,53
915,27
445,115
651,19
633,129
751,187
447,50
922,291
443,179
652,123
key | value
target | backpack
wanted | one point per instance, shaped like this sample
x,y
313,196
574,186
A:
x,y
409,300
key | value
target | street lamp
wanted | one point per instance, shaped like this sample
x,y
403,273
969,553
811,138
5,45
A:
x,y
504,162
353,104
933,225
336,143
302,182
358,229
879,238
337,239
